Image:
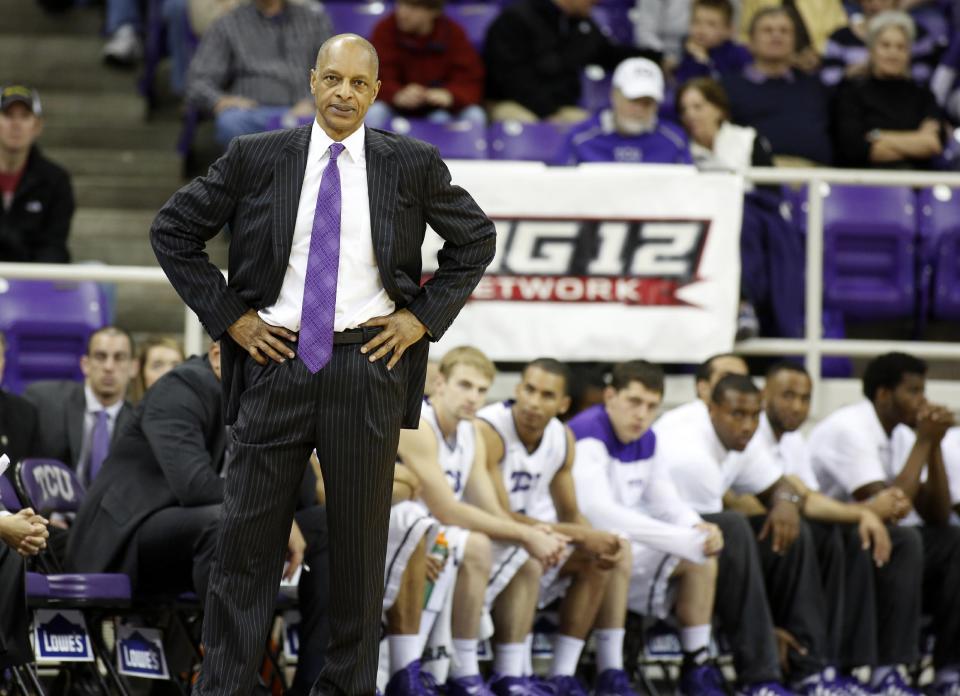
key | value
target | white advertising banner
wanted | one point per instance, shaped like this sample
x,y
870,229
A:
x,y
602,262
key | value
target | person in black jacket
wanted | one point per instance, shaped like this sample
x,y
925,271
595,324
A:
x,y
18,420
36,197
154,509
535,51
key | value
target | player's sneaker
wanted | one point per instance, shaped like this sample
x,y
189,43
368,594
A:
x,y
764,689
950,688
854,687
467,686
565,685
823,687
614,682
701,680
894,685
502,685
412,681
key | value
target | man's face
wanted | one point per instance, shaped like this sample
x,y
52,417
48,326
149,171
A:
x,y
735,419
461,393
633,116
720,368
709,27
415,19
773,38
19,128
906,399
109,366
890,54
787,398
344,85
540,395
632,410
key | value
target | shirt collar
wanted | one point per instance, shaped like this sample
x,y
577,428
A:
x,y
753,75
878,432
94,405
353,144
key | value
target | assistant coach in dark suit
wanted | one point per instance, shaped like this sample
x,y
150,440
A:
x,y
327,222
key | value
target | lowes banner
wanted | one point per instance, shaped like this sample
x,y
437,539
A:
x,y
291,636
140,653
60,635
602,262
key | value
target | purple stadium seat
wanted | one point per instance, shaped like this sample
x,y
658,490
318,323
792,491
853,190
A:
x,y
940,249
350,16
47,324
614,21
8,494
869,252
49,485
475,18
594,88
455,140
37,586
512,140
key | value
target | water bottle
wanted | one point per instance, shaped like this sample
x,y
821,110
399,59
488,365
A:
x,y
441,550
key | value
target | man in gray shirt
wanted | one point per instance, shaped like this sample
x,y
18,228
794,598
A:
x,y
248,70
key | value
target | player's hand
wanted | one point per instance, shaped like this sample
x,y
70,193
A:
x,y
261,340
785,643
546,547
400,331
713,544
874,534
782,525
890,505
434,566
933,421
296,545
606,547
25,532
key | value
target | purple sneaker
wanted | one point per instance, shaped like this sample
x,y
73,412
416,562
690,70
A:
x,y
824,687
854,687
467,686
951,688
564,685
411,681
764,689
701,680
894,685
614,682
501,685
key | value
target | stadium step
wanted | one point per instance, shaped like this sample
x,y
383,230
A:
x,y
61,62
105,110
145,192
119,162
27,17
60,132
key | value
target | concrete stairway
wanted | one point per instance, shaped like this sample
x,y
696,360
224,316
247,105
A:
x,y
124,166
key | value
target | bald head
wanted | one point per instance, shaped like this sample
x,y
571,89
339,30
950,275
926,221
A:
x,y
347,42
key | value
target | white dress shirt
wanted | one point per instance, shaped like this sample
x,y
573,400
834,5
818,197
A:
x,y
93,405
360,293
790,454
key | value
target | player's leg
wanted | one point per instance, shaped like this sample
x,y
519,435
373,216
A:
x,y
610,628
468,604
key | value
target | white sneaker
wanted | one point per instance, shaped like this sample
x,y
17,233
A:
x,y
124,47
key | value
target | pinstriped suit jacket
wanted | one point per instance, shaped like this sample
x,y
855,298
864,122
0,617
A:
x,y
255,187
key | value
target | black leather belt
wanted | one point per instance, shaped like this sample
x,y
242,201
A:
x,y
353,336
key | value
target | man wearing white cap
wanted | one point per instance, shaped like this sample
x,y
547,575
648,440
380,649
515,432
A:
x,y
629,131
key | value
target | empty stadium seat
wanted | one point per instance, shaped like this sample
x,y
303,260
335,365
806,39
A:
x,y
614,21
595,86
512,140
351,17
455,140
940,248
47,324
869,252
8,494
475,18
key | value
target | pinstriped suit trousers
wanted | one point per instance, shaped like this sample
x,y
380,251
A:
x,y
351,411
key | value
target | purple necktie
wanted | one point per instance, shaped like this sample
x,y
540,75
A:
x,y
320,282
99,443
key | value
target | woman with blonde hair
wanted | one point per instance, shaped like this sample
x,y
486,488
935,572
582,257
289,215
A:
x,y
158,355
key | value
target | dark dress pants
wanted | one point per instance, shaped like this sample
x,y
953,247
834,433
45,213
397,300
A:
x,y
350,411
14,617
941,590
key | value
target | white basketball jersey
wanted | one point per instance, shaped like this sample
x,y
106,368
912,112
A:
x,y
455,458
527,475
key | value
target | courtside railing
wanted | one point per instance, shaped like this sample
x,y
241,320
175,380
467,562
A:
x,y
813,346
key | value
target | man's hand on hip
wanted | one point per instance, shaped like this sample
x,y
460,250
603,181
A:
x,y
261,340
400,331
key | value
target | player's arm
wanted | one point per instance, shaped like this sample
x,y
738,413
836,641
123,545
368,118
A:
x,y
494,449
746,504
933,495
318,472
406,485
783,522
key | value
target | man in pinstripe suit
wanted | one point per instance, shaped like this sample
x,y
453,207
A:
x,y
323,301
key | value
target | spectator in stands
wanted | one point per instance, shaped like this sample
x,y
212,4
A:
x,y
36,198
428,67
945,83
124,24
708,50
186,20
788,107
815,21
158,355
661,25
535,51
629,131
18,419
771,280
79,421
248,69
155,510
846,53
886,119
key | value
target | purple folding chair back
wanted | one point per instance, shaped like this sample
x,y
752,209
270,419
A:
x,y
595,88
869,252
940,249
455,140
352,17
8,494
48,485
47,324
475,18
614,21
512,140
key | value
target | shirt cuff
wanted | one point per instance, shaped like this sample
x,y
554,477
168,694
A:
x,y
5,513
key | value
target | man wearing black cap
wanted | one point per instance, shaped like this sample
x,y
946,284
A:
x,y
36,198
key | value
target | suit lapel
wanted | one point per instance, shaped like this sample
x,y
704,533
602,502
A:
x,y
126,412
76,410
382,178
288,175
